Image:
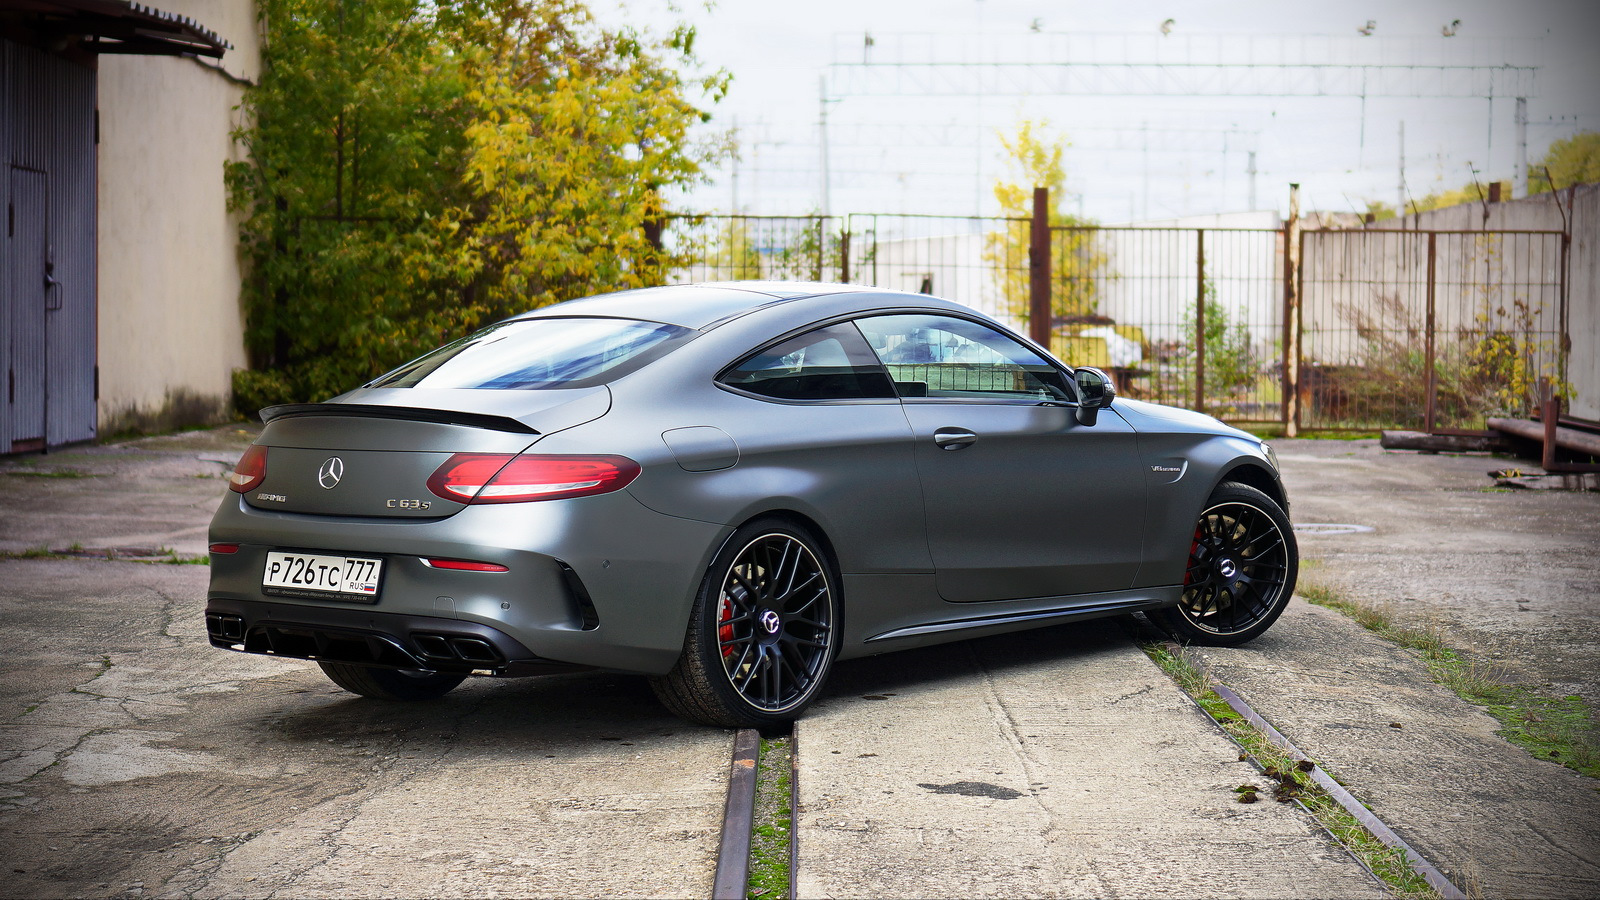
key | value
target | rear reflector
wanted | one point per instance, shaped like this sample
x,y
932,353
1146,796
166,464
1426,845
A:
x,y
463,565
224,548
505,478
251,470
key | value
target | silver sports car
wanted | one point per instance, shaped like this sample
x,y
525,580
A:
x,y
727,488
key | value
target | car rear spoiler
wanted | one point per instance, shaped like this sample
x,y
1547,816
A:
x,y
406,413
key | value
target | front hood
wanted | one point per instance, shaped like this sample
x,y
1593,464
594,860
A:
x,y
1145,416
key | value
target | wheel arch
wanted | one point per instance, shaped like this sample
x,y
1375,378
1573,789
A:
x,y
1259,477
804,522
825,544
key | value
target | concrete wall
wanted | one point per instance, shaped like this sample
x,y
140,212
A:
x,y
1545,212
171,328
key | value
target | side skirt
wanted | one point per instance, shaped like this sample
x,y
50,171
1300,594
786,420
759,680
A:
x,y
1018,615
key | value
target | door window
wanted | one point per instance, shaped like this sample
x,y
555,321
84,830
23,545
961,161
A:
x,y
950,358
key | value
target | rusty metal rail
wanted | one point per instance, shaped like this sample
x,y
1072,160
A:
x,y
733,856
1344,798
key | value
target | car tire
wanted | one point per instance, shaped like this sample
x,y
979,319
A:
x,y
763,633
1243,562
390,684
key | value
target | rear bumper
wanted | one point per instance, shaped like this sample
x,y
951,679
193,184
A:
x,y
367,637
597,582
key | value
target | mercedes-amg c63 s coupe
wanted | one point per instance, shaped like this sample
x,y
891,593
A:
x,y
728,488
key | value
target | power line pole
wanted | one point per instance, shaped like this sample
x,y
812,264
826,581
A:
x,y
1400,203
1522,148
1251,169
822,132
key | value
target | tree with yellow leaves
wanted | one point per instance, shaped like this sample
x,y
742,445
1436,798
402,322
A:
x,y
1036,160
419,168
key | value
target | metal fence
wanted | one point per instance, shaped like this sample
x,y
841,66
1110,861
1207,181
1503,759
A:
x,y
1433,330
1187,316
1430,330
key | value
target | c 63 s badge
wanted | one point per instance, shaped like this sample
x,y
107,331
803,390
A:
x,y
408,504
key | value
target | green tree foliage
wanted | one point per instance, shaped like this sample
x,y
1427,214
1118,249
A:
x,y
1076,263
1233,367
417,169
1574,160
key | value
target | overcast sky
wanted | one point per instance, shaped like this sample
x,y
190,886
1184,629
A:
x,y
1130,156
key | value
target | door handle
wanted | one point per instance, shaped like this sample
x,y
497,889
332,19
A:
x,y
954,438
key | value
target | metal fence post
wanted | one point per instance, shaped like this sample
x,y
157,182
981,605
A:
x,y
1431,413
1039,324
1200,321
1291,316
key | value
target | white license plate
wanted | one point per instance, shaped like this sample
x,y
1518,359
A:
x,y
318,575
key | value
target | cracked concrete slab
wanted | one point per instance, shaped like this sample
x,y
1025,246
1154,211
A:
x,y
137,760
1510,574
1496,821
1055,763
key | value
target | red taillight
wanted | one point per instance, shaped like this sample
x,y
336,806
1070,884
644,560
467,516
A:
x,y
506,478
463,565
251,470
224,548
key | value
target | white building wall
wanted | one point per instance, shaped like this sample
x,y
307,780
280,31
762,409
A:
x,y
171,327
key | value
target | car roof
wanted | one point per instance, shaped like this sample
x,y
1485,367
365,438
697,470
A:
x,y
697,306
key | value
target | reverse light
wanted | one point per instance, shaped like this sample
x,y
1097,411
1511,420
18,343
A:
x,y
477,478
251,470
462,565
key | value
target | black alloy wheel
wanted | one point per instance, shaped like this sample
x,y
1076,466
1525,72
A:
x,y
763,635
1241,572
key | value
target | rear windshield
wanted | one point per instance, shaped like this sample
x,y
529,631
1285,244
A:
x,y
539,353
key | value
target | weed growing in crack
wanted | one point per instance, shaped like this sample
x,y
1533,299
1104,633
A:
x,y
1559,729
769,836
39,552
1290,777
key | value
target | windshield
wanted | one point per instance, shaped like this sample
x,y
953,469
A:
x,y
539,353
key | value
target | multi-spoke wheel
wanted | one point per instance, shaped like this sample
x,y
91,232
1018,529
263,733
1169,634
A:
x,y
763,633
1241,572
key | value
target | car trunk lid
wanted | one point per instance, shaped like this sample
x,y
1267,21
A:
x,y
370,453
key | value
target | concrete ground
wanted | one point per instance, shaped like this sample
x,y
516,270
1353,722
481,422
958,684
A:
x,y
135,760
1512,576
1076,712
1055,763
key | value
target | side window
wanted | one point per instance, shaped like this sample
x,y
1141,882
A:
x,y
942,356
831,363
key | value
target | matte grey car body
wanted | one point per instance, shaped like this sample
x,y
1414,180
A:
x,y
926,515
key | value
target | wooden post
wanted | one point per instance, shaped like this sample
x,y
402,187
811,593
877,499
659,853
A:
x,y
1291,316
1039,315
1550,418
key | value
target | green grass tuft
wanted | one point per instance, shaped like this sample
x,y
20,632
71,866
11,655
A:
x,y
1559,729
769,837
1293,782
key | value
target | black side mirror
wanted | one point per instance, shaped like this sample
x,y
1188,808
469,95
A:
x,y
1095,392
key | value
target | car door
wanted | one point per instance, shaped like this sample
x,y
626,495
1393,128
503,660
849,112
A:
x,y
1022,501
816,419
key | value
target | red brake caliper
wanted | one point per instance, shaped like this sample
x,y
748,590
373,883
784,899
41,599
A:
x,y
1188,569
725,629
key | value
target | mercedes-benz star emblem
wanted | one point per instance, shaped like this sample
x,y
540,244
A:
x,y
770,621
1228,569
328,476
